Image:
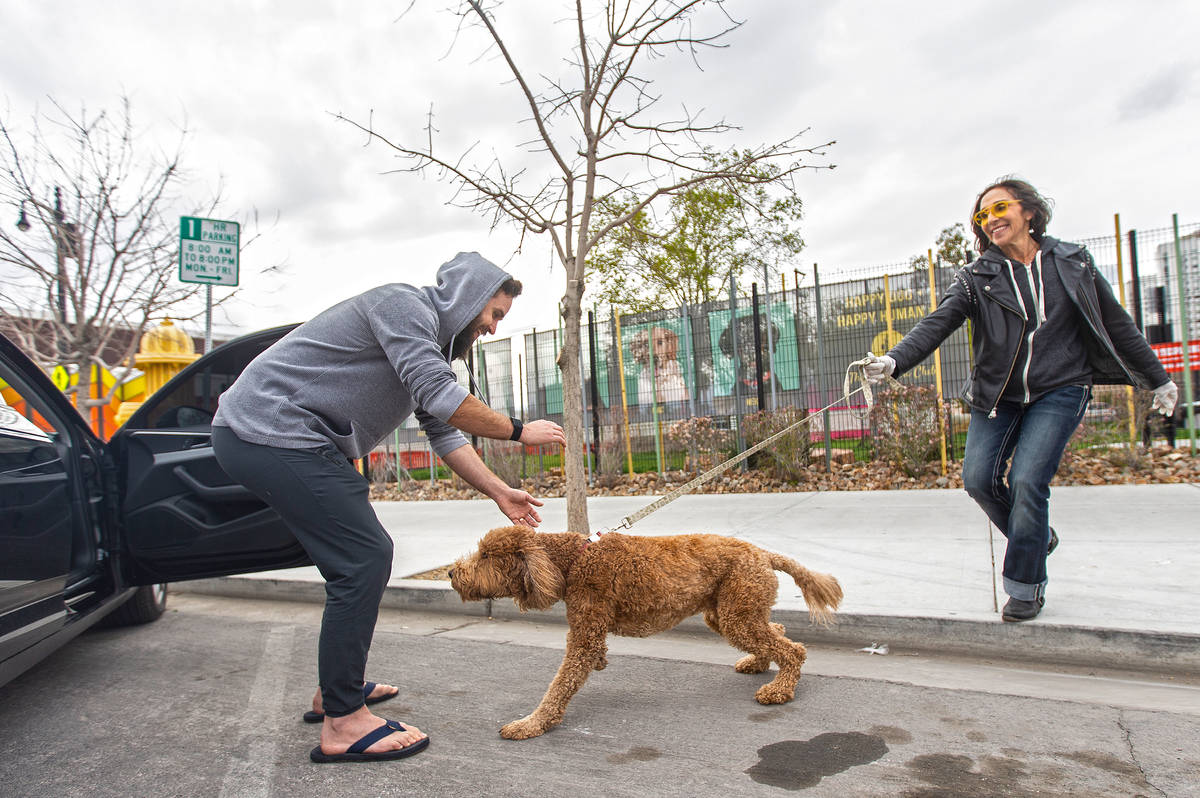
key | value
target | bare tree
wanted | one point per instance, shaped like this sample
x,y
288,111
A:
x,y
602,141
92,257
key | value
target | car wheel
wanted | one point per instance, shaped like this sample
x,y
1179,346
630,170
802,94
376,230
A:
x,y
144,606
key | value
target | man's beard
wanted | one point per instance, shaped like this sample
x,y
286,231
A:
x,y
462,345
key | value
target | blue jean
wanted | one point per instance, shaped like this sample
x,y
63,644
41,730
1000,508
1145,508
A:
x,y
1016,497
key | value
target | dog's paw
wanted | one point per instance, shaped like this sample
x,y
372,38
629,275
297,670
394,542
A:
x,y
601,664
751,664
774,694
521,729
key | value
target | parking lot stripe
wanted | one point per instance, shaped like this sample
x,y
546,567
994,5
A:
x,y
250,777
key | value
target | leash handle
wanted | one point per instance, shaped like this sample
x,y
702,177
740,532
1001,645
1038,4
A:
x,y
859,369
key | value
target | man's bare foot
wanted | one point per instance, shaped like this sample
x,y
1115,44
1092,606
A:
x,y
338,734
380,691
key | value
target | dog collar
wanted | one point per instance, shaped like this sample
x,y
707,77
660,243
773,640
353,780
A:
x,y
592,538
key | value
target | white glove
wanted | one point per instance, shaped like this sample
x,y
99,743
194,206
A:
x,y
1165,397
880,368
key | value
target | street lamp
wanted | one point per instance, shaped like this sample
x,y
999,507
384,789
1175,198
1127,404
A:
x,y
22,222
65,245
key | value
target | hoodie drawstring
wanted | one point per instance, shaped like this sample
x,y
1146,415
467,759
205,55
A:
x,y
1038,297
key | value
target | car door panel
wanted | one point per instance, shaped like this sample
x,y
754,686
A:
x,y
184,518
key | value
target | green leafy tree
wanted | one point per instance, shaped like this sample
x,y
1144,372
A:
x,y
707,234
951,249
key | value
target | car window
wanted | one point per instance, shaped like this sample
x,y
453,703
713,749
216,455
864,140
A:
x,y
21,413
36,520
190,400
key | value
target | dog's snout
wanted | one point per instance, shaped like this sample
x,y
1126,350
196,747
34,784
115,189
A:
x,y
450,573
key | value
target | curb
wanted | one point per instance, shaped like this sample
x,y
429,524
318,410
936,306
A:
x,y
1159,652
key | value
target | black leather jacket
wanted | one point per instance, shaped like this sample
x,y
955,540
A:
x,y
1117,352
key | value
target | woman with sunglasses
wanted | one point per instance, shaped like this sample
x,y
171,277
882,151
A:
x,y
1045,327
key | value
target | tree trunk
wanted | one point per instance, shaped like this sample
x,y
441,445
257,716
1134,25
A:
x,y
568,364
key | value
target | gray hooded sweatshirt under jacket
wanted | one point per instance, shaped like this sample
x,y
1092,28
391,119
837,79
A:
x,y
353,373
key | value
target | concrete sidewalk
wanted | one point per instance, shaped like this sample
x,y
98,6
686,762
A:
x,y
920,569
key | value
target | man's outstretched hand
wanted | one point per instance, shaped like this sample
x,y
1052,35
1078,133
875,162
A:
x,y
519,506
540,432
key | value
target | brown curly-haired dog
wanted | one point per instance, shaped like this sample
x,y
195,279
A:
x,y
636,586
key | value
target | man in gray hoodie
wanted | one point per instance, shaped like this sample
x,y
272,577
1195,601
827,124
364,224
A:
x,y
328,393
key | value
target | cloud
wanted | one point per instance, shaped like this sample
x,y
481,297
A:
x,y
1162,92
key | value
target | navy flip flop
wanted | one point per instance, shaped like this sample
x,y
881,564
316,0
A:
x,y
368,687
357,752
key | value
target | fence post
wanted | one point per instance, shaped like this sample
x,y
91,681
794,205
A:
x,y
533,400
937,362
821,370
1124,304
770,338
485,394
758,367
737,365
655,423
624,400
796,327
595,389
521,387
689,357
583,399
1135,280
1184,335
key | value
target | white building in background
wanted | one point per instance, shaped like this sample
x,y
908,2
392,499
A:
x,y
1164,258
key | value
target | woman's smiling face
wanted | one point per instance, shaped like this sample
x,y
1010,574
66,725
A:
x,y
1010,228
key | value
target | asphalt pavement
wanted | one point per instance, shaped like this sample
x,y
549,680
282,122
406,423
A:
x,y
921,569
206,703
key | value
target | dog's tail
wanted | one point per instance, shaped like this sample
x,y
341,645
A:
x,y
822,593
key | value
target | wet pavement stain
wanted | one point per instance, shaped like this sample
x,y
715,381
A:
x,y
763,717
1103,761
955,774
891,734
800,764
638,754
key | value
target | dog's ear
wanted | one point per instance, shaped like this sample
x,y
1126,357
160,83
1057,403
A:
x,y
541,581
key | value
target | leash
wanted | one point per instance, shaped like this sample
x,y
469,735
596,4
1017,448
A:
x,y
855,369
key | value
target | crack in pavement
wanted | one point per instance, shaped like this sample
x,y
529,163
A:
x,y
1128,734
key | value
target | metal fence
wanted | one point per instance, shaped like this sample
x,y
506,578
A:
x,y
787,347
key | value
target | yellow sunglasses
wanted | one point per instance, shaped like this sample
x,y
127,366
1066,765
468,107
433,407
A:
x,y
997,209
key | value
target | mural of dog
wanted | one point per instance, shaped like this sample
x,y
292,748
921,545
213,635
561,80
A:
x,y
637,586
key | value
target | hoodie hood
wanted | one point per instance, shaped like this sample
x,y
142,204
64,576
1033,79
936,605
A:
x,y
465,283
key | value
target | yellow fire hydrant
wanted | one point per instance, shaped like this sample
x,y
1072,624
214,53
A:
x,y
163,353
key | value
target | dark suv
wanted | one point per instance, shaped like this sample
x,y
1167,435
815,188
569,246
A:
x,y
90,529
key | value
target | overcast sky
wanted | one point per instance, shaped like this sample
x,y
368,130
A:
x,y
1097,103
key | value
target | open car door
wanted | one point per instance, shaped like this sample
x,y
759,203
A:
x,y
183,517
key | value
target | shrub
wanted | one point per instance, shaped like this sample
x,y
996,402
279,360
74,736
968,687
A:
x,y
705,443
1105,427
788,457
904,427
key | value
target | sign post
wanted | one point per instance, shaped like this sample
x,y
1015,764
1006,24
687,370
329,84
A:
x,y
208,254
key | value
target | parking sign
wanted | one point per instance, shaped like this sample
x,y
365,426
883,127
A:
x,y
208,251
